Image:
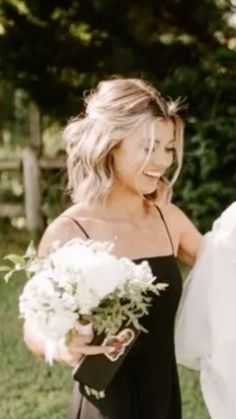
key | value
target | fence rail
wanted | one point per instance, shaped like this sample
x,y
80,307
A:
x,y
10,164
31,167
11,210
44,164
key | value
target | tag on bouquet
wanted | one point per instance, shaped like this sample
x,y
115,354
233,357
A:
x,y
95,372
123,339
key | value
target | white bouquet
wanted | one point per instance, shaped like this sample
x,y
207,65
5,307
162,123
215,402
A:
x,y
82,283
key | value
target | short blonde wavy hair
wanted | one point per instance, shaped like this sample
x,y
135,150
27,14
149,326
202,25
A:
x,y
112,110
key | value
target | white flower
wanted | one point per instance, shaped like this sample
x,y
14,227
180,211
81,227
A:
x,y
57,325
52,310
137,272
73,281
40,284
104,275
71,257
91,271
86,298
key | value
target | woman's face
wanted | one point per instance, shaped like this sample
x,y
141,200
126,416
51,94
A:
x,y
133,151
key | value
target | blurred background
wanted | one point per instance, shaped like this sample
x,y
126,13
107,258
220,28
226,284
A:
x,y
50,53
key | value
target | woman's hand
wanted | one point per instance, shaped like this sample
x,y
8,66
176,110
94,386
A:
x,y
71,353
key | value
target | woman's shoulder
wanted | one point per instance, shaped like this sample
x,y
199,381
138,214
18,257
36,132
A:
x,y
178,220
175,215
187,235
62,228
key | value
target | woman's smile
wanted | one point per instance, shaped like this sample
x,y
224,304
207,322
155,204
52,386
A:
x,y
152,174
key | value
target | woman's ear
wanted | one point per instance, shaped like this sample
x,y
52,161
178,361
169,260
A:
x,y
112,155
111,159
114,149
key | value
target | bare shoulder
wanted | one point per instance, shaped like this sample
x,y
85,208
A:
x,y
187,236
176,217
62,229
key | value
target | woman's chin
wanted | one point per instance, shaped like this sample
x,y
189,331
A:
x,y
148,191
145,189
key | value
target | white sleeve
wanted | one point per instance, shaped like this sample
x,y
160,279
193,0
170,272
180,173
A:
x,y
192,329
206,322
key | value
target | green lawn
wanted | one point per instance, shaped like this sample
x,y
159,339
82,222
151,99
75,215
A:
x,y
29,389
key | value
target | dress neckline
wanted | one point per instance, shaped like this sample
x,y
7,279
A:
x,y
171,255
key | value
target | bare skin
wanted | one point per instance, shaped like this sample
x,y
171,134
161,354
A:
x,y
128,220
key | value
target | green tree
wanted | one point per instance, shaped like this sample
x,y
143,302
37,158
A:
x,y
55,50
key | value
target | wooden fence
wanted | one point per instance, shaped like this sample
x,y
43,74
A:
x,y
32,164
32,167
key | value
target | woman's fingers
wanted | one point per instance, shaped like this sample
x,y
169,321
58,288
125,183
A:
x,y
82,340
71,353
74,355
91,350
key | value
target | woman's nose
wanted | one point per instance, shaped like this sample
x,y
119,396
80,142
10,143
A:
x,y
162,159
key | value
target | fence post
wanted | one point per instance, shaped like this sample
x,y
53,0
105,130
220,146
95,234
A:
x,y
31,174
31,170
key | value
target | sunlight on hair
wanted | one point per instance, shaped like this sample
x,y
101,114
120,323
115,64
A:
x,y
112,111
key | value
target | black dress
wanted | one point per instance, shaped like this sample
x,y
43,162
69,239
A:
x,y
146,386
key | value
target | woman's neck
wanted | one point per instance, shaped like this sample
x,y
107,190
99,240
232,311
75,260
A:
x,y
125,205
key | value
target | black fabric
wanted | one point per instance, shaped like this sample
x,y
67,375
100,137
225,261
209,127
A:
x,y
167,229
78,225
146,385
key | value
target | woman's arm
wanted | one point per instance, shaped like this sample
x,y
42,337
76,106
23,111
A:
x,y
61,229
187,238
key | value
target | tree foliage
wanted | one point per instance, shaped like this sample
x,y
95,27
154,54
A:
x,y
55,50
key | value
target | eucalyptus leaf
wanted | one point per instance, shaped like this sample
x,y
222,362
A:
x,y
31,250
4,268
8,276
15,259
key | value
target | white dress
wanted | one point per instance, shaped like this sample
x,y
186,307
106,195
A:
x,y
205,330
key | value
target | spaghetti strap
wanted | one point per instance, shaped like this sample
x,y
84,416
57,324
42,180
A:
x,y
158,209
167,230
78,224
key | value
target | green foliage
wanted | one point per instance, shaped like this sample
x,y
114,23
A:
x,y
116,311
55,50
28,388
54,197
75,43
192,401
207,183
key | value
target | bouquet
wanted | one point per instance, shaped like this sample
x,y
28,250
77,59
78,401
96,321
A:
x,y
82,283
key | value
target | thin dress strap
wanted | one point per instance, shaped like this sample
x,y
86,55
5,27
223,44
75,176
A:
x,y
78,224
167,230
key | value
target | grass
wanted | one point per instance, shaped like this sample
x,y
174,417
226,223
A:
x,y
29,389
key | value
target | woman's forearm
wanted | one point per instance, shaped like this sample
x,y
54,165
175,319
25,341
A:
x,y
33,340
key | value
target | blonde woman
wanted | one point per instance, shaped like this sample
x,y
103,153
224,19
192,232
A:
x,y
121,152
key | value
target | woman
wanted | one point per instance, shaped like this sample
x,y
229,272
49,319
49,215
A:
x,y
119,154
